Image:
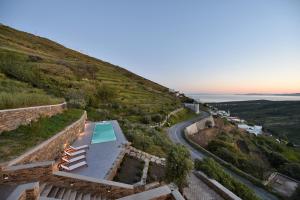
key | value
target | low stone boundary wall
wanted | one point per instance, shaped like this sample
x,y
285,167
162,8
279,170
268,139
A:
x,y
199,125
26,173
131,151
11,119
52,148
215,185
28,191
114,168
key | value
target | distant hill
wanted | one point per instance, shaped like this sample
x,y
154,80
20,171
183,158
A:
x,y
281,118
284,94
82,80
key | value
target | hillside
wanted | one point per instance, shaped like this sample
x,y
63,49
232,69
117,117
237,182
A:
x,y
281,118
106,91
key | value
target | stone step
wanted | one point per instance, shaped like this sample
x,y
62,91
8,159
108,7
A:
x,y
73,195
79,196
46,190
93,197
42,186
60,193
67,194
86,196
53,192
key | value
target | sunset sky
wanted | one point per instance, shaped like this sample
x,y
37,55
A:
x,y
211,46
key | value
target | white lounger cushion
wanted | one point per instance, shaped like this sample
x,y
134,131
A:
x,y
75,153
78,148
73,159
75,166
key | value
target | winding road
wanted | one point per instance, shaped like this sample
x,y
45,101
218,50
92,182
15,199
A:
x,y
175,134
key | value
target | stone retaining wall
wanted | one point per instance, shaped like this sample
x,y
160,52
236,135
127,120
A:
x,y
199,125
114,168
11,119
52,148
131,151
26,173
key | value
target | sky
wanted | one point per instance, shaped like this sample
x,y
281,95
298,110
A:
x,y
201,46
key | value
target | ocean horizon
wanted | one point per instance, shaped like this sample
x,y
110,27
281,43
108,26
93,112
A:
x,y
216,98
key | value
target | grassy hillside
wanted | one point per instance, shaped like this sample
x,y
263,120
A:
x,y
106,91
281,118
15,94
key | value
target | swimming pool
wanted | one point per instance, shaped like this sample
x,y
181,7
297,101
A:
x,y
103,132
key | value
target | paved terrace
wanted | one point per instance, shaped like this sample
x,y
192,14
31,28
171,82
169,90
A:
x,y
101,156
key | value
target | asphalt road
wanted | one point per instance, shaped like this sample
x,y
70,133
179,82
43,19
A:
x,y
175,134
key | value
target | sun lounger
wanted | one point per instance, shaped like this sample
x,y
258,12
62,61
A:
x,y
75,166
75,153
73,159
71,148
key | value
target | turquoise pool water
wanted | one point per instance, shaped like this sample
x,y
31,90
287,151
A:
x,y
103,132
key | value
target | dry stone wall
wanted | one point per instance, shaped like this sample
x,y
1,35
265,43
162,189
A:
x,y
131,151
11,119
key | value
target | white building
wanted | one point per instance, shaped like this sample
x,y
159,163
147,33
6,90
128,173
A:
x,y
223,113
193,106
251,129
235,119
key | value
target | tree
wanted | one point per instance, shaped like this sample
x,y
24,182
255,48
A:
x,y
178,165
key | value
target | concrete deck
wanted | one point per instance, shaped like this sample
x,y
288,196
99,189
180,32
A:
x,y
100,156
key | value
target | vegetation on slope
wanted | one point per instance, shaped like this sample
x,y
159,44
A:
x,y
281,118
15,142
178,166
215,171
106,91
256,155
16,94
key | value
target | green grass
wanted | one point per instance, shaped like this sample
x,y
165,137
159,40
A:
x,y
14,143
215,171
16,94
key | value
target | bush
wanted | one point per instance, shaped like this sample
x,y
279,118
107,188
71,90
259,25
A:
x,y
178,165
291,169
105,93
76,98
276,159
156,118
146,119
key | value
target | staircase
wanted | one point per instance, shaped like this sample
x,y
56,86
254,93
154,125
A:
x,y
49,191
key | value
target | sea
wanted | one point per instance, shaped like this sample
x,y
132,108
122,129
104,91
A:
x,y
216,98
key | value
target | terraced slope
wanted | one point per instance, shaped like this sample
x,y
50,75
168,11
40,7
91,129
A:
x,y
81,79
106,91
